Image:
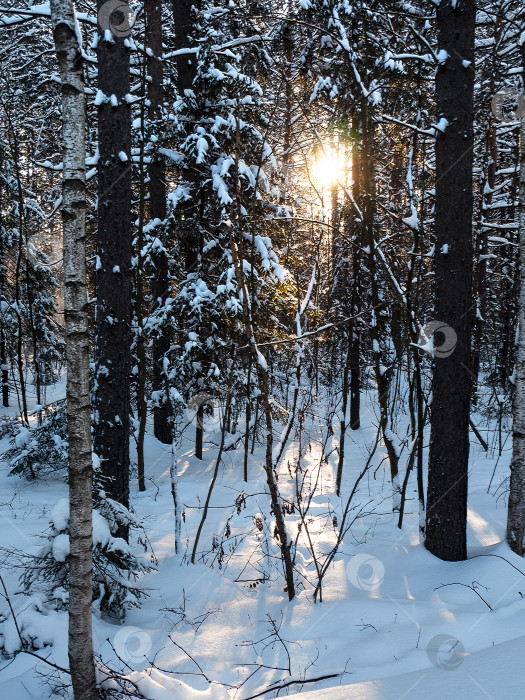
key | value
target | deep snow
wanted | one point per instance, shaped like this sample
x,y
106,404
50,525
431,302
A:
x,y
394,622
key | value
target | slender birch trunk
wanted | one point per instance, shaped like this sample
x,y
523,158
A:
x,y
516,513
80,640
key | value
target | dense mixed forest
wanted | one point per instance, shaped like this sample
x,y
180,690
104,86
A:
x,y
262,349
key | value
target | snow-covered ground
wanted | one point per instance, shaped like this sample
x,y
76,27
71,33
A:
x,y
492,673
394,622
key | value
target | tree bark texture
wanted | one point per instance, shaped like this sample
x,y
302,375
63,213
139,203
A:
x,y
446,515
157,205
516,511
113,269
80,641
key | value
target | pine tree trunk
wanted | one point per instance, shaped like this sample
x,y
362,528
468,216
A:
x,y
140,339
18,281
186,63
355,307
5,370
77,351
189,235
516,512
113,273
446,516
4,367
157,208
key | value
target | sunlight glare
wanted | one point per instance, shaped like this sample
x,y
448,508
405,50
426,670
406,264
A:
x,y
328,169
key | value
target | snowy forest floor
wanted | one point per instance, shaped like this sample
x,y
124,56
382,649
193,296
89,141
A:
x,y
395,622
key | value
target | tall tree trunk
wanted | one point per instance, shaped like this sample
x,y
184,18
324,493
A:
x,y
186,70
4,367
186,63
113,273
355,299
516,512
189,233
80,640
140,339
446,516
157,206
351,363
18,274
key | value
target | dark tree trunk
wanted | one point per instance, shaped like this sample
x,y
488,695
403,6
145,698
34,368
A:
x,y
5,370
189,234
446,516
186,63
351,382
113,273
18,277
157,207
186,70
4,367
355,344
354,340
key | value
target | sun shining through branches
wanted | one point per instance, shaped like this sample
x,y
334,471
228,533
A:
x,y
328,169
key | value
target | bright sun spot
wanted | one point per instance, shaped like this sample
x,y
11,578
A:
x,y
328,168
